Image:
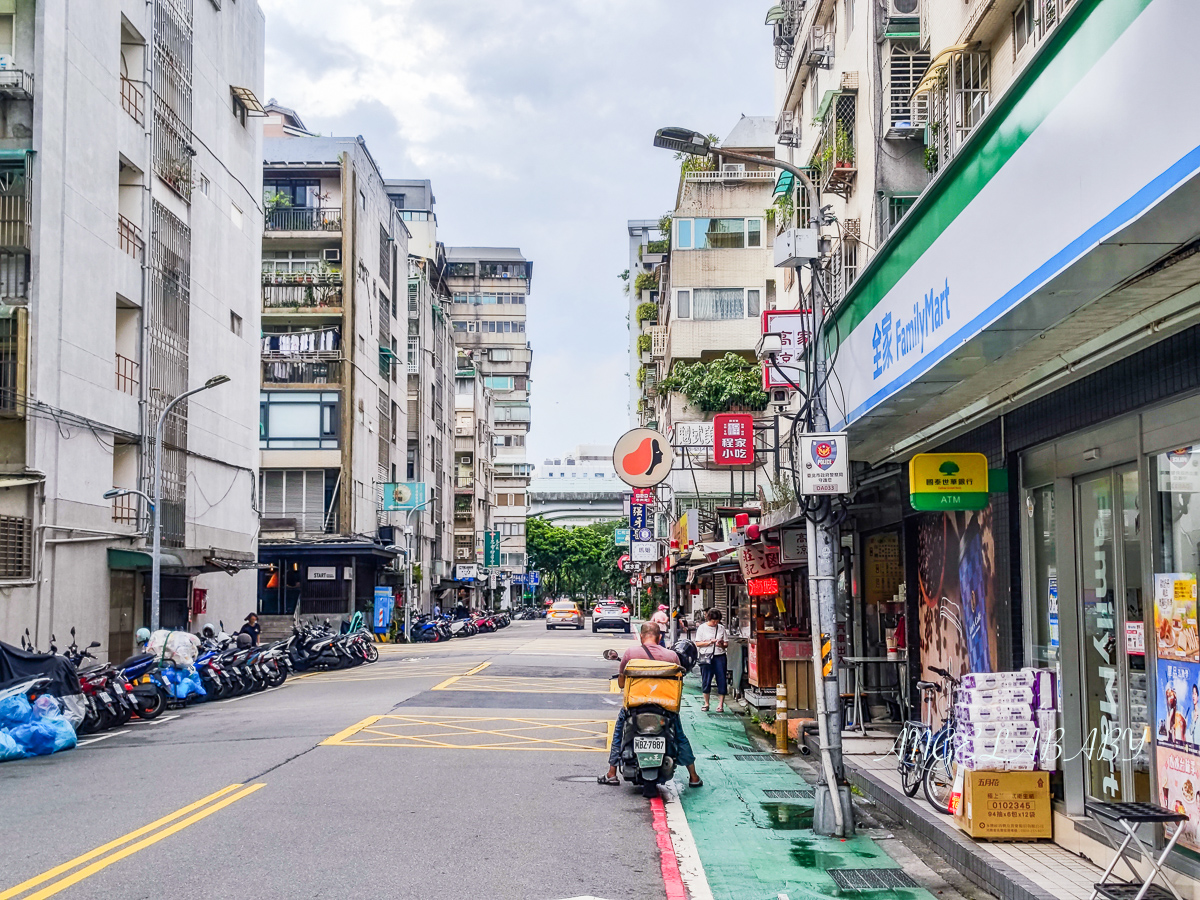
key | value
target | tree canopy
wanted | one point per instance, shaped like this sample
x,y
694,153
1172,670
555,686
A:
x,y
578,563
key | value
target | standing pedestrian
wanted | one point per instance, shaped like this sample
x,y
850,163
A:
x,y
660,619
251,628
712,640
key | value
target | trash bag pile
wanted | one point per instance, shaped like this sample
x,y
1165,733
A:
x,y
32,729
175,647
183,681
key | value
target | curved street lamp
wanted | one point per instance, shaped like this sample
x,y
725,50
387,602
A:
x,y
155,503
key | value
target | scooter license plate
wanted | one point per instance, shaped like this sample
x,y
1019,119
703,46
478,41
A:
x,y
649,751
103,695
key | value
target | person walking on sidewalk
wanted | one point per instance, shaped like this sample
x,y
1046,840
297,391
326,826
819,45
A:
x,y
660,619
650,647
712,640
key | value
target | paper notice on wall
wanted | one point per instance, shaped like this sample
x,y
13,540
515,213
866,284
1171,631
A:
x,y
1135,638
1052,595
1179,471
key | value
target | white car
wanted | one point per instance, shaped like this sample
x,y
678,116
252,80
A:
x,y
610,614
564,614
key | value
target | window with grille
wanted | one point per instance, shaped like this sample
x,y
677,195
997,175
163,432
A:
x,y
298,494
905,68
16,540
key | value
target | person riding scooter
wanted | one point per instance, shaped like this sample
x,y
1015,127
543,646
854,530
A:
x,y
624,750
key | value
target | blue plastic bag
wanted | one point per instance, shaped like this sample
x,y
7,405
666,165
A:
x,y
182,683
9,748
46,705
15,710
45,735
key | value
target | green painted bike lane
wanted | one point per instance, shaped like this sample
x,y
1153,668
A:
x,y
755,845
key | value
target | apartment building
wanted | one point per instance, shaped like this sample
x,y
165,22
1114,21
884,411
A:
x,y
705,300
333,398
490,288
429,360
1024,286
581,488
474,484
129,232
647,249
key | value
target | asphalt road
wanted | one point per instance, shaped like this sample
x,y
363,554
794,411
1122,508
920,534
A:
x,y
458,770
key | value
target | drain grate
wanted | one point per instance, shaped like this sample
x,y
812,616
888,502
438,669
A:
x,y
740,748
775,794
751,757
870,879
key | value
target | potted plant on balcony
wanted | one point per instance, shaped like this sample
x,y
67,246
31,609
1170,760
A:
x,y
644,345
843,147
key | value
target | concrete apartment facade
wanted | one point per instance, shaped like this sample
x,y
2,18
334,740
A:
x,y
474,480
130,227
333,392
710,290
428,358
647,249
581,488
490,288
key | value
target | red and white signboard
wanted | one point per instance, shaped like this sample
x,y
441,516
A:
x,y
733,439
792,326
643,497
642,457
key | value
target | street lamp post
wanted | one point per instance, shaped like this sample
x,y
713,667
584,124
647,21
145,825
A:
x,y
156,502
822,539
408,568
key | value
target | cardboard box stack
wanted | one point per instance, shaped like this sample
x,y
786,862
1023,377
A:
x,y
1006,721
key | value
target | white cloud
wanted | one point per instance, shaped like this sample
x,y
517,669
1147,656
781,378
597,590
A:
x,y
533,118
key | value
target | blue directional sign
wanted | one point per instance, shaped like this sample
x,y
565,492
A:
x,y
639,516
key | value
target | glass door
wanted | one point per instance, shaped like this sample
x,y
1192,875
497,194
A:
x,y
1108,527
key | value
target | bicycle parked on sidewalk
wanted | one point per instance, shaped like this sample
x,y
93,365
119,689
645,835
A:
x,y
925,757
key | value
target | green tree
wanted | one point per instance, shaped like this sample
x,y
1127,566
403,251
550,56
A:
x,y
576,563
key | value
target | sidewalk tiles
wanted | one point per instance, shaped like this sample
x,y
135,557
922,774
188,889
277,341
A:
x,y
752,823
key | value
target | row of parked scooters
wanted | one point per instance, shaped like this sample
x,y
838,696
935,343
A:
x,y
431,628
223,666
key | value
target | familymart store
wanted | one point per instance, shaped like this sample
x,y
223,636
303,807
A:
x,y
1040,304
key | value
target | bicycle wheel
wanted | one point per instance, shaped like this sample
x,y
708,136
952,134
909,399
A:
x,y
911,773
938,780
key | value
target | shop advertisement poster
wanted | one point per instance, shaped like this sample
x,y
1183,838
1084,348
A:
x,y
1179,782
1177,705
1175,616
1179,471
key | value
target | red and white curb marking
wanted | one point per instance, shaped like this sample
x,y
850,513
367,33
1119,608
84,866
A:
x,y
683,873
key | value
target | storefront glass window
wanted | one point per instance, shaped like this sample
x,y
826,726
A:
x,y
1137,744
1045,580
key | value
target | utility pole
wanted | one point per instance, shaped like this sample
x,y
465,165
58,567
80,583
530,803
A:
x,y
822,533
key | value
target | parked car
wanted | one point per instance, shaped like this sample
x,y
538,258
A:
x,y
610,614
564,613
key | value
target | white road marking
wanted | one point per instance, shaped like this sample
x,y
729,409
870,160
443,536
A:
x,y
103,737
684,843
157,721
248,696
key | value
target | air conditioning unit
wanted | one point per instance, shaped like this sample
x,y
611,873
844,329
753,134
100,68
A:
x,y
332,254
463,553
733,168
903,9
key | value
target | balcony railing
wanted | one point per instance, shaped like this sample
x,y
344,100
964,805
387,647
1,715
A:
x,y
959,95
304,218
14,275
133,100
317,296
129,375
464,482
129,237
301,371
732,175
16,84
125,509
835,155
14,225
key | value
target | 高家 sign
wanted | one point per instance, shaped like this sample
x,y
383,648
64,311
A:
x,y
733,439
792,326
824,463
948,481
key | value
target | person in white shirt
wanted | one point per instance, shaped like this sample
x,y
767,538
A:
x,y
712,640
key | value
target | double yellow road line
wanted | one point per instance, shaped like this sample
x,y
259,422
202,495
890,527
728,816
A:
x,y
102,857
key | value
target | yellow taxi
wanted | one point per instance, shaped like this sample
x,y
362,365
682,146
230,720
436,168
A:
x,y
564,614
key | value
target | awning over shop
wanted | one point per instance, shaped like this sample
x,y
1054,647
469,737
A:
x,y
785,184
138,559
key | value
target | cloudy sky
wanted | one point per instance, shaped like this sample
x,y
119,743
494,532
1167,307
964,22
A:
x,y
533,118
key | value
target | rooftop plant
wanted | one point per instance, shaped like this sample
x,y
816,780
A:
x,y
647,312
715,386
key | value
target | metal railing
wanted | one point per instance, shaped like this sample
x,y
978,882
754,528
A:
x,y
14,226
958,99
16,84
14,275
732,175
16,546
835,154
304,218
129,237
129,375
133,100
125,509
303,296
464,482
301,371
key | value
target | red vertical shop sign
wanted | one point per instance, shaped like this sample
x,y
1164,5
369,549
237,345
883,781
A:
x,y
733,439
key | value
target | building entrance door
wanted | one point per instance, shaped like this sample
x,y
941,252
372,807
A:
x,y
1108,540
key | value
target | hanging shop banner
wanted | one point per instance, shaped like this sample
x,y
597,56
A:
x,y
756,560
404,495
824,464
685,532
788,368
643,457
466,572
691,434
941,482
733,439
621,537
643,496
644,551
491,548
793,545
881,567
767,586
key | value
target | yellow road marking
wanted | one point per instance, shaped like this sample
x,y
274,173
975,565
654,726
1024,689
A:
x,y
612,726
95,867
479,668
523,684
449,681
346,732
612,686
441,732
